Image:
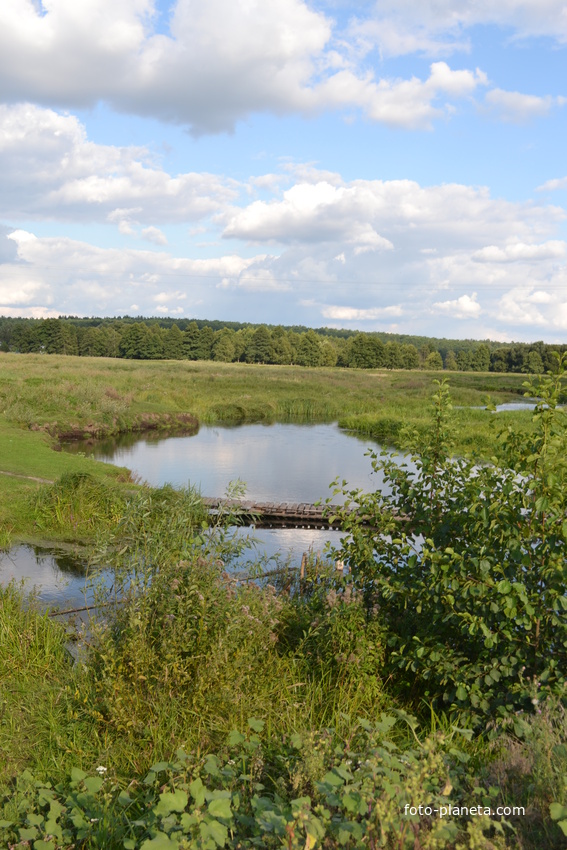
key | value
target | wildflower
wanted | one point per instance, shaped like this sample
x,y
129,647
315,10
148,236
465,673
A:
x,y
101,770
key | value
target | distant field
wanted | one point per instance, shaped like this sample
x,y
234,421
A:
x,y
43,398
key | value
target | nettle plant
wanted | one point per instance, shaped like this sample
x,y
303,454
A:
x,y
465,562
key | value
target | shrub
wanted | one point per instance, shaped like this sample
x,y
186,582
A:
x,y
466,562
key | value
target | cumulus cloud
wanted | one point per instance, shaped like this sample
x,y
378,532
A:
x,y
219,62
516,108
78,278
349,252
514,251
49,169
352,314
437,27
465,307
155,235
390,216
552,185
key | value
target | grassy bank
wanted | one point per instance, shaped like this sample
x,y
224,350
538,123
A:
x,y
43,399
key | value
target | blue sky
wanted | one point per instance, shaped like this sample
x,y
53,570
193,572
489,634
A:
x,y
387,165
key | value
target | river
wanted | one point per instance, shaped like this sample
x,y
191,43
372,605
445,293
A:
x,y
277,462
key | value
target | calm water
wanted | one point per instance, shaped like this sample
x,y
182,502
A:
x,y
57,577
279,462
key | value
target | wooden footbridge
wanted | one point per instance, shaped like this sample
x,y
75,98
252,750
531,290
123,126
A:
x,y
276,514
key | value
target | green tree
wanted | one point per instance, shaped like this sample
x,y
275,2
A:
x,y
58,337
409,356
283,352
481,358
328,353
366,352
192,342
173,348
223,346
534,363
499,360
309,350
93,343
464,361
451,361
393,356
260,348
433,361
139,343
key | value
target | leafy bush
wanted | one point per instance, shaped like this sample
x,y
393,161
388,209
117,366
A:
x,y
357,793
465,563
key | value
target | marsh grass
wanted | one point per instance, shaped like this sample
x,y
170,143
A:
x,y
77,506
37,726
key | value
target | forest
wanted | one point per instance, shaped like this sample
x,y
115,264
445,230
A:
x,y
228,342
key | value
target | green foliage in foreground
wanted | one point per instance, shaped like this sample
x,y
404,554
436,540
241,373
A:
x,y
466,564
329,792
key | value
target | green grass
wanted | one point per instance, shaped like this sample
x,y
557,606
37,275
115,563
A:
x,y
45,398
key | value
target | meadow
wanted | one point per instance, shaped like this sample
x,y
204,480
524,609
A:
x,y
206,710
44,399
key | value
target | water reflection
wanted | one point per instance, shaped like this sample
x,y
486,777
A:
x,y
57,577
278,462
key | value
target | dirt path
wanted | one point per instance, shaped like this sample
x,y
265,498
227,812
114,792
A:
x,y
27,477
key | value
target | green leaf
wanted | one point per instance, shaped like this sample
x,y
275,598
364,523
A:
x,y
175,801
235,738
93,784
215,830
77,775
160,766
557,811
220,808
256,725
461,693
332,778
28,834
160,842
197,790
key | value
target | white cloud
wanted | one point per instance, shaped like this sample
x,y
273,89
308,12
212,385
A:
x,y
515,251
552,185
155,235
517,108
220,61
78,278
390,216
409,104
50,170
465,307
448,251
351,314
438,27
517,307
308,212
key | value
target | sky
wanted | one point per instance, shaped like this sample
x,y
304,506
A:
x,y
396,165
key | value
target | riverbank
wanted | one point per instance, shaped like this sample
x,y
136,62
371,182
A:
x,y
46,399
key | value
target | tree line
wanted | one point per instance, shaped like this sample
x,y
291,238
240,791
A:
x,y
168,339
